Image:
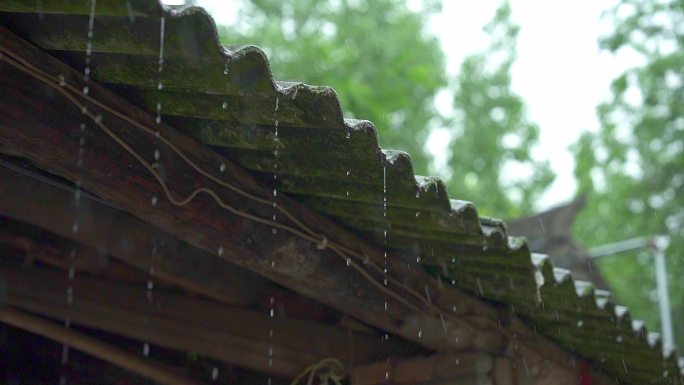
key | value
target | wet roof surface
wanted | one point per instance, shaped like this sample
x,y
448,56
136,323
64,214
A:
x,y
226,97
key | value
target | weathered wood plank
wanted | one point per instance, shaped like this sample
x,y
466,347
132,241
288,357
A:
x,y
125,237
231,334
435,369
158,373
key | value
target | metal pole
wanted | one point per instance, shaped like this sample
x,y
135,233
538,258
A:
x,y
658,244
663,295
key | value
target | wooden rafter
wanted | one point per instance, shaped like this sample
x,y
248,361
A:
x,y
227,333
131,240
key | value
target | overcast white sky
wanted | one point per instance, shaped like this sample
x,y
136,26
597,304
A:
x,y
559,72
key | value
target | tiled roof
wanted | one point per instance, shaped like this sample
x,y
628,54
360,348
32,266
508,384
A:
x,y
226,97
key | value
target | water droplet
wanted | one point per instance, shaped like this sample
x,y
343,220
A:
x,y
150,285
160,86
214,374
420,334
348,261
224,105
272,313
154,200
417,214
348,172
86,90
146,349
74,228
348,135
62,82
618,339
580,323
156,154
222,168
72,272
220,251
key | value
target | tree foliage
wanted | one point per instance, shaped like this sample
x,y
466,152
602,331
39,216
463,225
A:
x,y
634,166
491,155
374,53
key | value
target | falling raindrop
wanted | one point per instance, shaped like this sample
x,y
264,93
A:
x,y
224,105
146,349
70,295
65,354
222,168
214,374
158,117
220,251
275,162
154,200
129,12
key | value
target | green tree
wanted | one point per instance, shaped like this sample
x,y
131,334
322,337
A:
x,y
491,155
633,167
374,53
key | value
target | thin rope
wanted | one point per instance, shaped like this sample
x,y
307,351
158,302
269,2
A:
x,y
325,370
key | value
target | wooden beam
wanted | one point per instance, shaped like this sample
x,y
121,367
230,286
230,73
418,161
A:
x,y
459,368
92,346
230,334
109,231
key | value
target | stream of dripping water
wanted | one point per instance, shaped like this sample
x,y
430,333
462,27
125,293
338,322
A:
x,y
71,270
276,144
149,288
271,301
384,269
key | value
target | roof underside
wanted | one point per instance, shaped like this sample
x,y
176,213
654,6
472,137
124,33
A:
x,y
226,97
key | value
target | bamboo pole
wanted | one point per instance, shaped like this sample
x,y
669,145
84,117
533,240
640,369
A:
x,y
93,347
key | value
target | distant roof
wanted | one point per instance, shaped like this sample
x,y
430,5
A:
x,y
226,97
550,232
